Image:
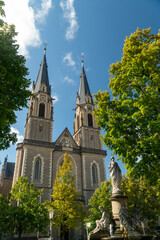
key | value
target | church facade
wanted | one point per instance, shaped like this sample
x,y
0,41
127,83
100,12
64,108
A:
x,y
38,158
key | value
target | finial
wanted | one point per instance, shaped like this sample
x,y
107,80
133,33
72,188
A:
x,y
82,58
45,45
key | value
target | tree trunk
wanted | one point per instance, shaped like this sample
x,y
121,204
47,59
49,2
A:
x,y
66,235
61,233
19,235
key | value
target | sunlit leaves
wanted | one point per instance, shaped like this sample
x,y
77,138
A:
x,y
29,215
131,116
69,211
142,195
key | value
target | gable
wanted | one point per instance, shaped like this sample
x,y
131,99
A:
x,y
66,140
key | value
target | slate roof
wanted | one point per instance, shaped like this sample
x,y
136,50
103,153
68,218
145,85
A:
x,y
84,87
9,170
43,76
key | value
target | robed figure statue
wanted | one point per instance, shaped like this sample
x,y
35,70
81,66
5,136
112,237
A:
x,y
116,176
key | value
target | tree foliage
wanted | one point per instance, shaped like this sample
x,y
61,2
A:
x,y
69,211
13,81
28,215
131,115
100,198
2,13
143,196
4,213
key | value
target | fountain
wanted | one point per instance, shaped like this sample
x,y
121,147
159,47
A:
x,y
126,227
111,230
142,224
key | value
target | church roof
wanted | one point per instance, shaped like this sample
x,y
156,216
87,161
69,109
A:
x,y
9,170
42,76
84,87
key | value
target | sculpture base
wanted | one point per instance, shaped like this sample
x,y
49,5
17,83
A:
x,y
131,238
99,235
117,199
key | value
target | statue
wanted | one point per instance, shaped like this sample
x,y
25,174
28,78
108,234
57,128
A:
x,y
125,219
116,176
102,224
140,223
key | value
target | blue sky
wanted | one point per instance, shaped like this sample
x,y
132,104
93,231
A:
x,y
95,27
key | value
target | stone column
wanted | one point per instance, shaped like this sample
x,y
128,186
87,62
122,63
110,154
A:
x,y
117,200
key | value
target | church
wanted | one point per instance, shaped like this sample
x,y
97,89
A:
x,y
38,157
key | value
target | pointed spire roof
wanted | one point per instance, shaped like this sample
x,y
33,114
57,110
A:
x,y
84,87
43,76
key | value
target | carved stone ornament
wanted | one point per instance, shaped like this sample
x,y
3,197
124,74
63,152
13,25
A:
x,y
66,142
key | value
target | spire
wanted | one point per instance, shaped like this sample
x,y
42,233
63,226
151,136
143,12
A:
x,y
43,75
84,87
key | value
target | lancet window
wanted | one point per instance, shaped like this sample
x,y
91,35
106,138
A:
x,y
37,169
90,120
41,110
94,175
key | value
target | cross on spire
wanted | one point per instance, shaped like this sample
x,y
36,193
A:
x,y
82,55
45,44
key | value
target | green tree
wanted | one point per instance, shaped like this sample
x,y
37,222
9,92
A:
x,y
13,81
143,196
100,198
2,13
69,211
4,213
29,215
131,115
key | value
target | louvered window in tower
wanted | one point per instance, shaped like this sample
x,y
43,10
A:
x,y
41,110
90,121
94,175
37,170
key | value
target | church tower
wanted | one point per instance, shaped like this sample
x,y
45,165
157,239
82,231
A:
x,y
86,133
39,122
34,155
87,137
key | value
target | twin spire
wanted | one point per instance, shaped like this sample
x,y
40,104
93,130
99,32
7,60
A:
x,y
84,90
42,78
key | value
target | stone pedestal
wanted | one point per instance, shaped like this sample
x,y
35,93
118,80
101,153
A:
x,y
117,199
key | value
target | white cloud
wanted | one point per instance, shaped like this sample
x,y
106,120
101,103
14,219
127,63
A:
x,y
70,15
43,12
68,59
68,80
30,87
56,98
19,136
22,15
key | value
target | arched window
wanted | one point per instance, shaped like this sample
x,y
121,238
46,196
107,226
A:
x,y
94,175
41,110
37,169
90,121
